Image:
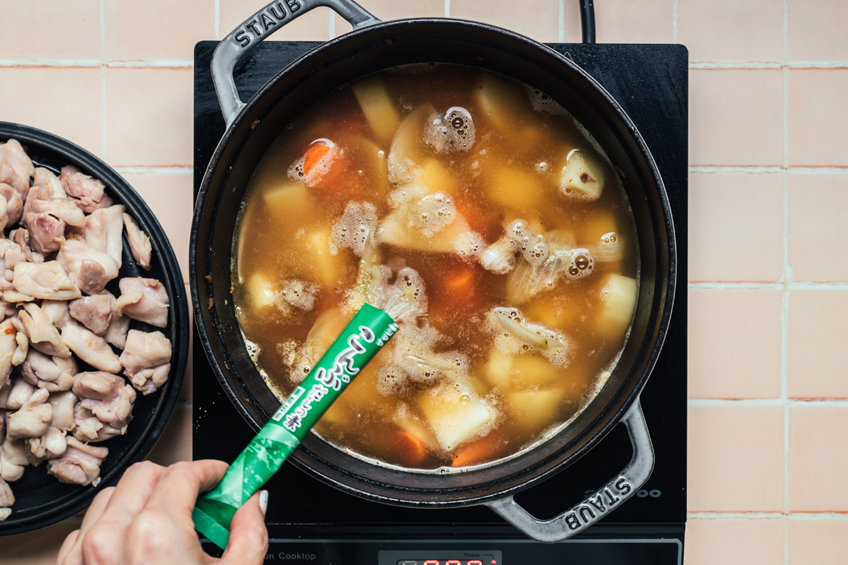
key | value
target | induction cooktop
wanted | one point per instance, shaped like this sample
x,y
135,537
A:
x,y
310,522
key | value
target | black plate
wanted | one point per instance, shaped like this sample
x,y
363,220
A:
x,y
41,500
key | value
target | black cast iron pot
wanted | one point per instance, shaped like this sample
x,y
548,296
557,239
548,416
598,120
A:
x,y
373,46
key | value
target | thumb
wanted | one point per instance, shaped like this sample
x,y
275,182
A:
x,y
248,535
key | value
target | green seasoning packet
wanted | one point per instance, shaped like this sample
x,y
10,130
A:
x,y
363,337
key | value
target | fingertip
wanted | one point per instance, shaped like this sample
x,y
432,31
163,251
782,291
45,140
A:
x,y
263,501
248,534
67,545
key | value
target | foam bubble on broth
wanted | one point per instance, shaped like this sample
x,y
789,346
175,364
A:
x,y
451,133
432,214
469,246
354,228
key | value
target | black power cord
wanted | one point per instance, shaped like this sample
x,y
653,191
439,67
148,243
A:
x,y
587,20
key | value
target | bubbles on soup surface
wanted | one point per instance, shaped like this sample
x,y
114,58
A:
x,y
354,228
454,132
300,294
469,245
432,214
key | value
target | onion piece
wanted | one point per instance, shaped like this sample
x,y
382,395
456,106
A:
x,y
510,319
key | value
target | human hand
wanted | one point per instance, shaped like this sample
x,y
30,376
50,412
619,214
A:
x,y
147,519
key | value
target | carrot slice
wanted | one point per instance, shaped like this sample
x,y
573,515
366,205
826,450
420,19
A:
x,y
410,447
483,449
324,169
460,280
314,155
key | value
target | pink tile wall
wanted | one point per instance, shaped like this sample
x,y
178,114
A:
x,y
768,278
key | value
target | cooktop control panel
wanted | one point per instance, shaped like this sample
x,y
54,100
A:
x,y
655,551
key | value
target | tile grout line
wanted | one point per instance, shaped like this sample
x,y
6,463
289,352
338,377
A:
x,y
30,63
103,114
787,279
759,65
153,170
763,170
757,515
777,285
217,21
447,8
773,402
561,28
674,22
332,25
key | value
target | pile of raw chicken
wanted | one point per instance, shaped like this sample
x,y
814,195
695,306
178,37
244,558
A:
x,y
62,242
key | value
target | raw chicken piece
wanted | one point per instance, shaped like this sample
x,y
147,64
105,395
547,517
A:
x,y
84,190
3,218
40,201
18,167
15,297
144,300
33,419
147,358
21,237
7,350
10,255
79,465
44,178
103,230
91,348
63,404
16,395
7,499
46,232
90,428
54,374
21,349
14,203
94,312
90,269
49,446
139,243
41,332
46,280
13,459
57,311
107,396
116,334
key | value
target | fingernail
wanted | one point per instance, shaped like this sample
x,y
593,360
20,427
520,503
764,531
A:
x,y
263,501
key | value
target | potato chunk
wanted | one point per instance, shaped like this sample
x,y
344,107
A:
x,y
502,102
377,107
534,409
288,202
515,188
618,294
455,412
437,178
535,370
328,267
582,178
498,370
262,292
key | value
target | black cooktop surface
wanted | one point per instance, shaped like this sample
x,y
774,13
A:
x,y
651,83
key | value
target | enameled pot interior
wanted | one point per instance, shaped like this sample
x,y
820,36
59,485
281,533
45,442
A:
x,y
353,56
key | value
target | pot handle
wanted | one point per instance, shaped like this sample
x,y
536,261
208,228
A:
x,y
258,27
596,506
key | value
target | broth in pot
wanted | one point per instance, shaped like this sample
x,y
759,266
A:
x,y
493,209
